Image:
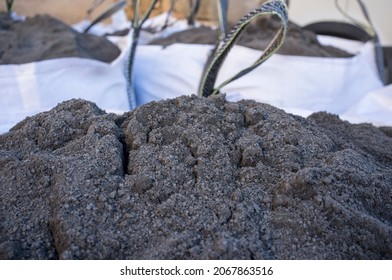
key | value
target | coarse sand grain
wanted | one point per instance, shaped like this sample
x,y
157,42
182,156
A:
x,y
194,178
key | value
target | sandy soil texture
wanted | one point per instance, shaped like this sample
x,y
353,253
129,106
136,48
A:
x,y
43,37
194,178
257,36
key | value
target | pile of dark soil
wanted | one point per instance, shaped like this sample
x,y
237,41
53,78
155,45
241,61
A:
x,y
257,36
194,178
43,37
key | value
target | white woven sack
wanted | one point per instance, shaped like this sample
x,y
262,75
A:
x,y
297,84
35,87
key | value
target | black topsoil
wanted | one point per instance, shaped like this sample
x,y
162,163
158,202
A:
x,y
194,178
258,35
43,37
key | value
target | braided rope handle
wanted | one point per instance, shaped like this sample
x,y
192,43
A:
x,y
138,20
223,6
371,30
169,14
137,23
273,7
194,7
93,7
9,5
109,12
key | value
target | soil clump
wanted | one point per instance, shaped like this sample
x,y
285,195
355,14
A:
x,y
43,37
194,178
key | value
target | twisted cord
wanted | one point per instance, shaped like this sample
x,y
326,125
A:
x,y
223,6
137,24
194,7
9,4
109,12
371,30
274,7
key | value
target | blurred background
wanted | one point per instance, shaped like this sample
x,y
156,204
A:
x,y
301,11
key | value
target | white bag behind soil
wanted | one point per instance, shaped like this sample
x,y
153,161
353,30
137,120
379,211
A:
x,y
57,65
35,87
31,88
297,84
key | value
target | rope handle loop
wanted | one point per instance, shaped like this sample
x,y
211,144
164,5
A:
x,y
272,7
9,4
109,12
371,30
139,20
137,24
